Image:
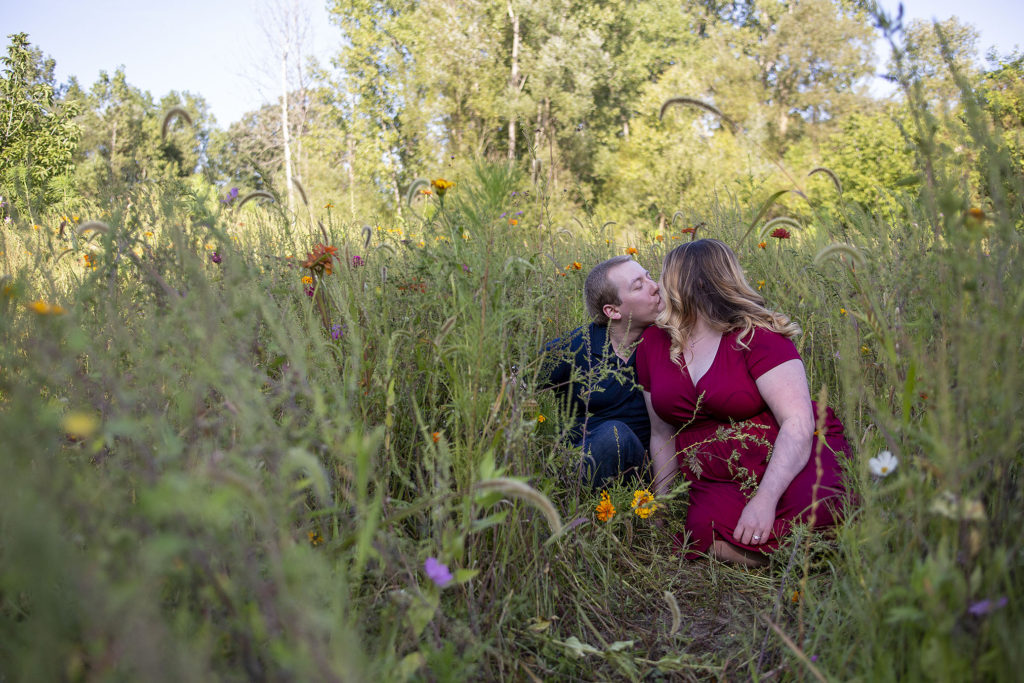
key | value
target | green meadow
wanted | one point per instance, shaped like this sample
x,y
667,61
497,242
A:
x,y
235,434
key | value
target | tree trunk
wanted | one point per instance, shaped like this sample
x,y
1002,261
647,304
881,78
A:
x,y
284,131
513,81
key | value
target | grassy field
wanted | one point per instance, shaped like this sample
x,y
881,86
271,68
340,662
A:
x,y
212,468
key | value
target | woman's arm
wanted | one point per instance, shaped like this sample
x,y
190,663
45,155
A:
x,y
784,389
663,450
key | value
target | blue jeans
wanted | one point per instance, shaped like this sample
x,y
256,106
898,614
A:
x,y
610,450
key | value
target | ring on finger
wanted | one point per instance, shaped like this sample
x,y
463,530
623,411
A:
x,y
757,538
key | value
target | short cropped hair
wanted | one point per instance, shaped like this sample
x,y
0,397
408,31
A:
x,y
599,291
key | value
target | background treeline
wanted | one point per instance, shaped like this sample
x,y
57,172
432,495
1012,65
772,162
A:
x,y
568,91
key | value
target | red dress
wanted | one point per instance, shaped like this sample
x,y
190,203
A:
x,y
726,441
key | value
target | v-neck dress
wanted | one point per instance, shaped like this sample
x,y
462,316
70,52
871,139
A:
x,y
726,434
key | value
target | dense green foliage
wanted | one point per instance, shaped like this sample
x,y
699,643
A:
x,y
212,469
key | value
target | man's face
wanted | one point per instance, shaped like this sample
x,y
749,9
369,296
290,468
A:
x,y
638,293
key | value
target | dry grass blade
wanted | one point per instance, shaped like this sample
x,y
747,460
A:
x,y
526,493
796,650
839,249
174,113
258,194
677,616
693,102
831,174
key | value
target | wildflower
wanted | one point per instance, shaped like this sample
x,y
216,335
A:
x,y
976,213
310,290
983,607
337,331
687,231
307,280
465,268
576,265
426,192
148,233
230,197
513,221
210,246
79,425
436,436
216,258
42,308
659,237
357,260
762,245
442,186
36,227
883,465
842,311
605,510
541,418
328,205
320,260
865,350
780,233
949,505
760,284
643,503
437,572
315,538
630,251
89,260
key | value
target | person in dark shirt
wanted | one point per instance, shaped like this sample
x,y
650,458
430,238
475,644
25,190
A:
x,y
593,370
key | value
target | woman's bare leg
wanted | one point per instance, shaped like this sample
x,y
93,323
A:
x,y
727,552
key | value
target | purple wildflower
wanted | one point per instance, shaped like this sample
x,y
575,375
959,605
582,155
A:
x,y
503,214
216,258
337,331
465,268
519,213
983,607
309,290
357,260
437,572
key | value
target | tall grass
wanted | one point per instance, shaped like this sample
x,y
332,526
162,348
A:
x,y
207,472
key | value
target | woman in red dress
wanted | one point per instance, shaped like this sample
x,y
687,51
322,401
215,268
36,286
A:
x,y
727,396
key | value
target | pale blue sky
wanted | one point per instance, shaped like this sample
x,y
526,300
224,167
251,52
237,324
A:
x,y
217,48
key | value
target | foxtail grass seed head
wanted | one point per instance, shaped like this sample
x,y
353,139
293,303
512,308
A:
x,y
174,113
840,251
831,174
699,104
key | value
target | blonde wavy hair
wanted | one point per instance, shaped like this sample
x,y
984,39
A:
x,y
704,278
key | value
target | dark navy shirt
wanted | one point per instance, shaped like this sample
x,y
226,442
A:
x,y
597,385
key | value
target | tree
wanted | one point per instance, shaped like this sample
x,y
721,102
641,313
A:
x,y
123,142
38,133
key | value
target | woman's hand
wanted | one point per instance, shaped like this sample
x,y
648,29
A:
x,y
756,521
